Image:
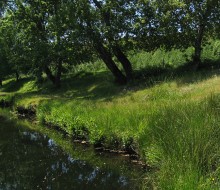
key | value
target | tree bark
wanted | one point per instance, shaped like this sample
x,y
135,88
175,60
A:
x,y
106,55
55,79
125,62
107,58
200,35
198,47
122,58
17,76
59,73
50,75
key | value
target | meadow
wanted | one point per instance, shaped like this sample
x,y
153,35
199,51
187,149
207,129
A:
x,y
169,115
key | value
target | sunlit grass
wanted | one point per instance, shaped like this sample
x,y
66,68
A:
x,y
173,127
171,120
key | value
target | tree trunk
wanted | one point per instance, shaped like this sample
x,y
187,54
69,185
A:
x,y
59,60
106,55
17,76
49,75
39,76
107,58
57,78
54,79
0,82
58,75
126,64
198,47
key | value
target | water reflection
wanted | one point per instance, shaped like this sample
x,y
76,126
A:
x,y
30,160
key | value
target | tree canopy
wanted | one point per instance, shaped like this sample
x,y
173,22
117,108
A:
x,y
40,36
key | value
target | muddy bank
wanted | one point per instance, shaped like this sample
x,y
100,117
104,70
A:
x,y
45,159
6,103
113,146
26,113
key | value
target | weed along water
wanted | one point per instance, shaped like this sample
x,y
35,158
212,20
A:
x,y
30,159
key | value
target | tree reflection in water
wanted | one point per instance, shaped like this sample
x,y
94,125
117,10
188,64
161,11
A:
x,y
30,160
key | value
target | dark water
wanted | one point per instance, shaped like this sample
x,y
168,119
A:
x,y
31,160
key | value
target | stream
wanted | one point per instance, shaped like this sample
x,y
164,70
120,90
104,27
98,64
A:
x,y
32,159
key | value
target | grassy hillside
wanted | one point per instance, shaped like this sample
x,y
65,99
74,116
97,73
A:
x,y
170,118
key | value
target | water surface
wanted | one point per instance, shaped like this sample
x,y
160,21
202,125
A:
x,y
32,160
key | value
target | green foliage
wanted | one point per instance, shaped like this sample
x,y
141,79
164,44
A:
x,y
183,142
43,36
89,67
160,58
179,137
171,124
212,50
8,98
155,115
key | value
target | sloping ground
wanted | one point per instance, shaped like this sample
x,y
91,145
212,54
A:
x,y
172,122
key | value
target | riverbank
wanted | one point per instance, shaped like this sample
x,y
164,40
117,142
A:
x,y
171,123
35,157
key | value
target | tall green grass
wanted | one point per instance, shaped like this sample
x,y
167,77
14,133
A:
x,y
186,137
212,50
160,58
180,138
171,123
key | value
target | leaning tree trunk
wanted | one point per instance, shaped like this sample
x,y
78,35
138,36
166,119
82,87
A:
x,y
107,58
126,64
55,79
124,61
50,75
106,55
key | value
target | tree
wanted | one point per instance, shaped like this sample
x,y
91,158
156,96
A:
x,y
51,39
146,33
41,32
106,26
88,24
4,69
107,11
12,51
188,23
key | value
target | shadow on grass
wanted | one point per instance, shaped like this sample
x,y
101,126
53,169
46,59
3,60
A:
x,y
100,85
206,70
93,86
14,86
83,85
183,75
